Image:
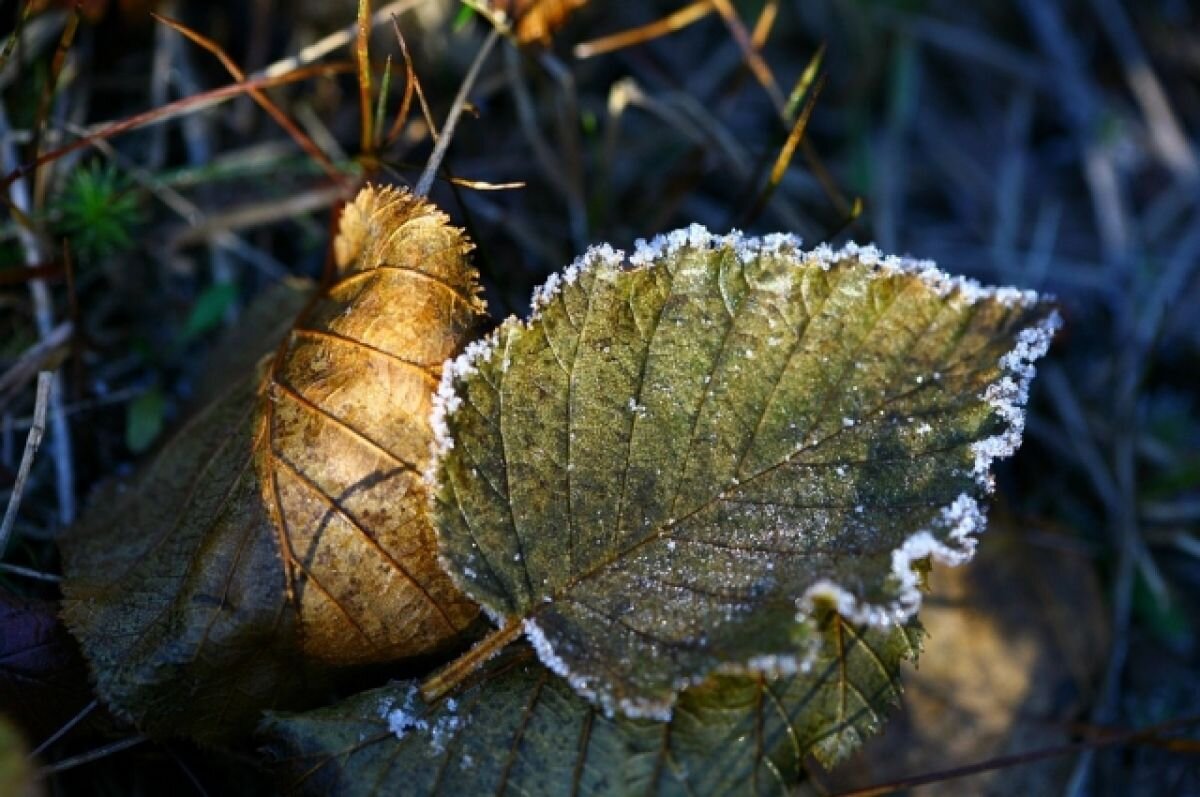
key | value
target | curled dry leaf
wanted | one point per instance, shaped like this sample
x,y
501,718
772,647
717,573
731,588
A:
x,y
283,532
664,470
519,729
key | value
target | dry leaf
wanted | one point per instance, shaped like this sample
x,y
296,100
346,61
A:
x,y
283,532
537,20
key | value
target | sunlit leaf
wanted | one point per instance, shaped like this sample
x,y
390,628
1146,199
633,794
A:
x,y
519,729
283,531
661,472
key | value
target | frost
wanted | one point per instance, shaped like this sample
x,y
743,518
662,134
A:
x,y
847,423
543,648
1008,396
544,294
446,400
958,523
405,718
647,709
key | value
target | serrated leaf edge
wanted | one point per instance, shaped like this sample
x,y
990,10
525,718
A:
x,y
961,521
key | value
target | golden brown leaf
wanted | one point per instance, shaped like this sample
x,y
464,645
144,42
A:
x,y
347,416
283,532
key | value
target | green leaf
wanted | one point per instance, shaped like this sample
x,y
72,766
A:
x,y
521,730
144,420
209,310
664,470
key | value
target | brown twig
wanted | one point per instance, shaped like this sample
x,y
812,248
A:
x,y
299,136
191,104
1143,736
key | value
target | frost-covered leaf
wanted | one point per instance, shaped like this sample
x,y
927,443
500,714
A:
x,y
284,530
664,468
520,729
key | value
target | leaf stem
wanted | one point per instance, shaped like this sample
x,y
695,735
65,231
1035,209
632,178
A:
x,y
453,674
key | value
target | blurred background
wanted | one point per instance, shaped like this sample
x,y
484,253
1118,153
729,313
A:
x,y
1049,144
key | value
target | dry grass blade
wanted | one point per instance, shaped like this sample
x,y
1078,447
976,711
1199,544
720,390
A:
x,y
764,24
171,110
44,355
804,83
301,138
47,99
15,36
410,86
754,60
319,49
415,83
678,20
785,154
362,52
32,442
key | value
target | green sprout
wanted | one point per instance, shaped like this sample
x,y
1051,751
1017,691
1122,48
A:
x,y
98,211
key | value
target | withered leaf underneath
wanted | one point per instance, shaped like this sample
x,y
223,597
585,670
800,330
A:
x,y
283,532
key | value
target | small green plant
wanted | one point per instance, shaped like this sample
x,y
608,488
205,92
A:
x,y
98,212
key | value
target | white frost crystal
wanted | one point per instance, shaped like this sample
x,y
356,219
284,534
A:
x,y
407,718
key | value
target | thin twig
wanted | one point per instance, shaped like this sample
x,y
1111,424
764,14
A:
x,y
90,756
1007,761
44,383
319,49
460,101
43,311
28,572
693,12
65,729
41,356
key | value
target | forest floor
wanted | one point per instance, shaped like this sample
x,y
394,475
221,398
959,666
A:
x,y
1053,146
